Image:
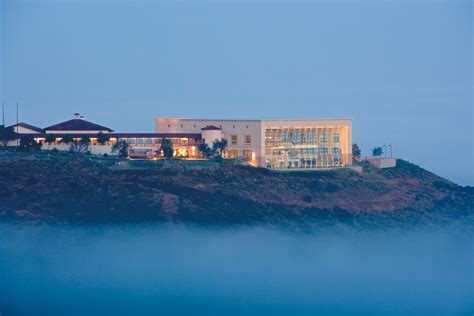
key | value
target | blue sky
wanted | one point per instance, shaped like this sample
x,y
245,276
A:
x,y
401,69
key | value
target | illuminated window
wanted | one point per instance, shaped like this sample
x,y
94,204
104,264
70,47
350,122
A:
x,y
323,150
247,140
303,147
296,137
230,153
322,138
336,137
247,154
233,139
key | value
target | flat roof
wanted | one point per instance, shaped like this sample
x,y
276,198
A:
x,y
119,135
251,120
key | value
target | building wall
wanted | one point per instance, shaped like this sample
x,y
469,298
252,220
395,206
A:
x,y
256,130
76,132
342,127
24,130
240,128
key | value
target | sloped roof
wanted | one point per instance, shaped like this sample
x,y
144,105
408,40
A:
x,y
28,126
77,125
210,128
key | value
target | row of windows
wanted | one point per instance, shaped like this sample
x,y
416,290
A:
x,y
305,151
310,137
157,141
247,139
234,153
194,126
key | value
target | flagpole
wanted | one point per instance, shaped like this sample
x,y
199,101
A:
x,y
17,145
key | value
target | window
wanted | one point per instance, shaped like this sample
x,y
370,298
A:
x,y
231,153
181,125
322,138
284,136
157,140
247,140
336,137
140,141
131,141
233,139
310,151
336,150
169,125
323,150
148,141
310,136
247,154
296,137
194,125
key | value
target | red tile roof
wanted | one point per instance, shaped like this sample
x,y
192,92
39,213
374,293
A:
x,y
28,126
77,125
210,128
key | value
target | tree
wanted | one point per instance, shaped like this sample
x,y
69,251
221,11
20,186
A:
x,y
79,148
218,146
377,151
7,134
67,139
167,148
28,143
50,138
356,151
205,150
85,140
120,147
102,138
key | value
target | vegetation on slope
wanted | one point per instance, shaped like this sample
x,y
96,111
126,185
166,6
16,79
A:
x,y
81,190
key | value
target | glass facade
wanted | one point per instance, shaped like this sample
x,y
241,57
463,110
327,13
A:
x,y
306,147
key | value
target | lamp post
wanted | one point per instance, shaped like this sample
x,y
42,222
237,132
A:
x,y
385,150
390,145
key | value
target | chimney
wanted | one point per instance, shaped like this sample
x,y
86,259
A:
x,y
77,115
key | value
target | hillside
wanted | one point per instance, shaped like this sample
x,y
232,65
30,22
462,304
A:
x,y
80,190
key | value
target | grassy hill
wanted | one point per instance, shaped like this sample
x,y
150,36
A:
x,y
83,190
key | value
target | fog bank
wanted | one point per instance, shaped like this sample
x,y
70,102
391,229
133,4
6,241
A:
x,y
168,270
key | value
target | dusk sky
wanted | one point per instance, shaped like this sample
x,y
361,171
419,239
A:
x,y
401,69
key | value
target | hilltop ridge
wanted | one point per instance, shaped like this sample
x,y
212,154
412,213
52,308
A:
x,y
82,190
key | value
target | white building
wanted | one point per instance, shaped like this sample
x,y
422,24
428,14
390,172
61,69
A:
x,y
275,144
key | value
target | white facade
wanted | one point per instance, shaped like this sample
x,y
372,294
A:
x,y
253,139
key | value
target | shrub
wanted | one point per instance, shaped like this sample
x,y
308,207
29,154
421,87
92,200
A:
x,y
167,148
28,143
67,139
102,138
121,147
7,134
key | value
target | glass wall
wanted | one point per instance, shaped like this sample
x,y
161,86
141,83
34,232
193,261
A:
x,y
306,147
